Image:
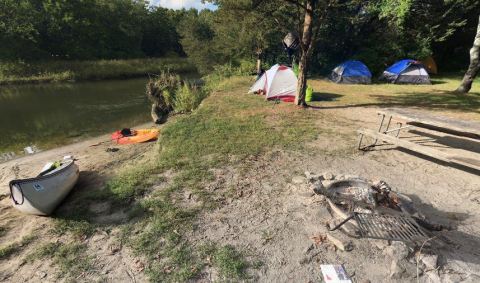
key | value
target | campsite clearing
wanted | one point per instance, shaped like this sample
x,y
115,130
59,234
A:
x,y
215,199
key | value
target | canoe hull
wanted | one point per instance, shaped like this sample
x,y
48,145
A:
x,y
41,195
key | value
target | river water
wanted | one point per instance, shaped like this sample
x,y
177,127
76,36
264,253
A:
x,y
50,115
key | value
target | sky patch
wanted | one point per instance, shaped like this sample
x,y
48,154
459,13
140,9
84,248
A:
x,y
180,4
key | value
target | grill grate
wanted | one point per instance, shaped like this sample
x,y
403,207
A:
x,y
390,227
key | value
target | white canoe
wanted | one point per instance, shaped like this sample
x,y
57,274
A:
x,y
41,195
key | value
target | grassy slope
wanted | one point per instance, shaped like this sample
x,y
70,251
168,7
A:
x,y
54,71
228,127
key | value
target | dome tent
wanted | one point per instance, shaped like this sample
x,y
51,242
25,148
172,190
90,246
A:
x,y
430,65
279,82
351,72
406,71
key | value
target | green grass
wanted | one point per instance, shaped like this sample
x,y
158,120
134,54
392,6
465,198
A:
x,y
70,258
439,96
76,223
230,263
57,70
8,250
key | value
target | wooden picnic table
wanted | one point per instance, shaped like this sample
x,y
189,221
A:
x,y
410,119
443,124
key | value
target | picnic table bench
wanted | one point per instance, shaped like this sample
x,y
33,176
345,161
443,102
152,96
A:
x,y
408,120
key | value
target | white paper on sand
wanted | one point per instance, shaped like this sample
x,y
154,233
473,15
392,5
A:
x,y
334,273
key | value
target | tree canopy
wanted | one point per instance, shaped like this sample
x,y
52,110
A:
x,y
378,32
86,29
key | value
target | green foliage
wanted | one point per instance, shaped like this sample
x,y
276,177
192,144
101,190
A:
x,y
396,10
18,29
377,32
197,39
162,89
188,98
88,29
169,93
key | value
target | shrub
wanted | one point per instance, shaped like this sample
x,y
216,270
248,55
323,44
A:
x,y
168,93
188,98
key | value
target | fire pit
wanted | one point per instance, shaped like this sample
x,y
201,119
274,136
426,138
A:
x,y
367,209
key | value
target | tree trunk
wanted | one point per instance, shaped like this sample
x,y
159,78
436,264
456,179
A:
x,y
305,45
474,66
259,60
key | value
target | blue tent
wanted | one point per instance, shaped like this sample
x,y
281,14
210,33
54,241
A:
x,y
406,71
351,72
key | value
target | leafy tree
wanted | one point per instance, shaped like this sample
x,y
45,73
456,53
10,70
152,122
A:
x,y
85,29
198,40
92,28
18,33
159,32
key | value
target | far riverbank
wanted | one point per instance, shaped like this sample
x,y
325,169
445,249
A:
x,y
18,72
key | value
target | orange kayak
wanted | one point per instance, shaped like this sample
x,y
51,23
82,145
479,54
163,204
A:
x,y
141,135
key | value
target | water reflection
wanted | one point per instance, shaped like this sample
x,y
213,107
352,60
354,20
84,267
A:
x,y
53,114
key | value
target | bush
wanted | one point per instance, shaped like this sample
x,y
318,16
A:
x,y
161,90
168,93
188,98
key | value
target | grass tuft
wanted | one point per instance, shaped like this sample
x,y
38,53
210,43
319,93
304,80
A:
x,y
188,98
230,263
13,248
133,183
70,258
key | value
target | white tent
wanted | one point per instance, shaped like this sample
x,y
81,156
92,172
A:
x,y
279,82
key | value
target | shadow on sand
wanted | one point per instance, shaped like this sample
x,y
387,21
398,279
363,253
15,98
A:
x,y
435,100
451,244
91,202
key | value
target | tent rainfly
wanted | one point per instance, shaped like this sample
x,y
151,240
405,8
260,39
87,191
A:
x,y
351,72
406,71
430,65
279,82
